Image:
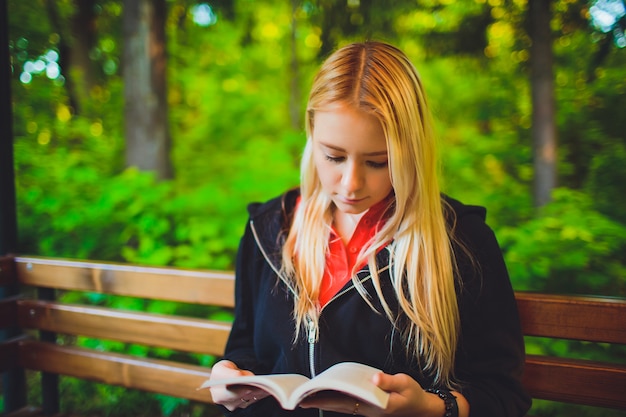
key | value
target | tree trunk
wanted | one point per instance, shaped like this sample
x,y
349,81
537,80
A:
x,y
84,39
543,101
148,139
75,45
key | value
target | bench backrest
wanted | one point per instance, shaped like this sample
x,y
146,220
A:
x,y
572,380
559,379
185,334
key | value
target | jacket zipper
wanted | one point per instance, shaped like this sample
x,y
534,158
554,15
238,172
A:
x,y
312,334
313,331
312,328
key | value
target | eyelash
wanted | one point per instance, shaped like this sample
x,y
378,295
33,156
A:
x,y
371,164
377,165
337,159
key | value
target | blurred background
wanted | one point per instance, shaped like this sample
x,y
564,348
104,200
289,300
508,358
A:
x,y
143,128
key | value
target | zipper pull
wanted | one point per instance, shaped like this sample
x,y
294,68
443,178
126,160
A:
x,y
312,332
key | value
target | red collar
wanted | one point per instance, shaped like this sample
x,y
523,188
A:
x,y
341,258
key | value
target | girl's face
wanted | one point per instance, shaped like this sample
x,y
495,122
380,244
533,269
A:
x,y
350,154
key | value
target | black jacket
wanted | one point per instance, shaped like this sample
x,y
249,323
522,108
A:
x,y
490,354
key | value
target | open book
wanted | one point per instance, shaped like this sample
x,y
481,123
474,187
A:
x,y
349,378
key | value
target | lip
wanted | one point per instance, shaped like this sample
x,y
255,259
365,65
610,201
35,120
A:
x,y
350,201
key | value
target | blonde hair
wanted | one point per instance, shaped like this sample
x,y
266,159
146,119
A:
x,y
379,78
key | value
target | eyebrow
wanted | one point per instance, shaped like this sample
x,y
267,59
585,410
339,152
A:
x,y
337,148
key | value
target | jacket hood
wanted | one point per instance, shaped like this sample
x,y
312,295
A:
x,y
285,203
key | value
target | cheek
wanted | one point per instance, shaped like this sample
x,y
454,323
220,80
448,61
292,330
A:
x,y
324,170
326,176
383,184
382,179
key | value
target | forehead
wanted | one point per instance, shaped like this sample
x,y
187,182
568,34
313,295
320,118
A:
x,y
349,129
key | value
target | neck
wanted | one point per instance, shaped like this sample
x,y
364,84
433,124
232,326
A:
x,y
345,224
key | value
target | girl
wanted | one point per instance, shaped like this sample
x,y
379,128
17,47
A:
x,y
368,262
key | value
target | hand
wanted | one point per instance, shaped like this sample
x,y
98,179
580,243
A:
x,y
233,397
407,397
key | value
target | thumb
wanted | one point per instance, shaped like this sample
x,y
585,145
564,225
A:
x,y
391,383
228,369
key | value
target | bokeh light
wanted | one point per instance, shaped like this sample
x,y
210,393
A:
x,y
203,15
45,64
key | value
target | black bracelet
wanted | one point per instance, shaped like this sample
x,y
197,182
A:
x,y
449,400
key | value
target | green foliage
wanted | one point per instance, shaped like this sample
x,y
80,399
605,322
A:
x,y
88,398
606,181
567,247
543,408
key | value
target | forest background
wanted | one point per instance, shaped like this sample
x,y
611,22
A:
x,y
235,75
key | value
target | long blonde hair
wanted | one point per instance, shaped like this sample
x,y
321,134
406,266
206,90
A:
x,y
379,78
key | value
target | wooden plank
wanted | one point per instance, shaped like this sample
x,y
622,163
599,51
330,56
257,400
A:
x,y
31,411
8,274
27,411
174,332
576,381
596,319
175,284
160,376
8,312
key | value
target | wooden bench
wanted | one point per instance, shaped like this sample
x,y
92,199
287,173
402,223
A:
x,y
580,381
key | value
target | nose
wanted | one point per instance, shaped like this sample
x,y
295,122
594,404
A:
x,y
352,178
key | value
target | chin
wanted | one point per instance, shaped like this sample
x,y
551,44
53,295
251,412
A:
x,y
351,208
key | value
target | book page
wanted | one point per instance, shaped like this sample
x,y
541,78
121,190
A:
x,y
350,378
280,386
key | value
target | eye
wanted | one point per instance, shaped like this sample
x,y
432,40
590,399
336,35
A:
x,y
377,165
336,159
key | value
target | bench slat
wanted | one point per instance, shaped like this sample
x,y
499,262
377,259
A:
x,y
30,411
595,319
190,286
576,381
174,332
164,377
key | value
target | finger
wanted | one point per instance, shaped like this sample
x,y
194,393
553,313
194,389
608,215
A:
x,y
330,401
230,398
358,409
243,401
392,383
